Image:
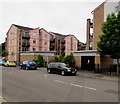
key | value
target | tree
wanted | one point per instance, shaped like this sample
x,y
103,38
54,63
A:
x,y
40,61
4,53
56,59
60,57
109,43
69,59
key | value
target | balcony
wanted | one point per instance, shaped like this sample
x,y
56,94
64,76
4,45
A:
x,y
52,47
25,44
62,47
63,41
52,40
25,36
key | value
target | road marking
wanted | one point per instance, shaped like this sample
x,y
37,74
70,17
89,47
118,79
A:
x,y
61,81
72,84
45,75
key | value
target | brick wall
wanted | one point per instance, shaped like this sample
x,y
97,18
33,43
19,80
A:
x,y
98,19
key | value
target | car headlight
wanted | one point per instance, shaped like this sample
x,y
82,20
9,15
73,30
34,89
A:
x,y
69,70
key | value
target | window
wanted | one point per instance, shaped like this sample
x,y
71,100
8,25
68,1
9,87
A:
x,y
34,41
45,43
34,34
45,49
45,35
117,9
34,49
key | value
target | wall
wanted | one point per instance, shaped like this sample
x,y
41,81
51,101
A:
x,y
109,7
44,38
12,46
70,44
77,61
34,35
32,57
98,19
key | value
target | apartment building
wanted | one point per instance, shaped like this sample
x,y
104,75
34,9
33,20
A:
x,y
89,59
20,39
24,39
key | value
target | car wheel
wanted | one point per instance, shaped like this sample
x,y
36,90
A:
x,y
48,70
62,73
7,65
26,68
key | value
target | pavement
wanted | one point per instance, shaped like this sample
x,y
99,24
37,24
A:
x,y
88,74
91,74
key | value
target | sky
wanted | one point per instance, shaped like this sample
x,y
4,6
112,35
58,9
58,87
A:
x,y
60,16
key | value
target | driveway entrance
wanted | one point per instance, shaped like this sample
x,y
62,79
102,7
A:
x,y
88,63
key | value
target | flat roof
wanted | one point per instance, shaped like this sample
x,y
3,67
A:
x,y
86,53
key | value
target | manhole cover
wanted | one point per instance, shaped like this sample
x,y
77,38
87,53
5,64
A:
x,y
112,91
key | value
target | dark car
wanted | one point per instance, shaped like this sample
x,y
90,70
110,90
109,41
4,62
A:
x,y
28,65
61,68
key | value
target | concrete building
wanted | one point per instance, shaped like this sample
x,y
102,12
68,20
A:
x,y
24,39
89,59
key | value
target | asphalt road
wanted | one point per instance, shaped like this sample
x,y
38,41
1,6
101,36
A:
x,y
39,86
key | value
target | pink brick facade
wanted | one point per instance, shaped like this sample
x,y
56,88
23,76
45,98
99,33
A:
x,y
20,39
12,40
70,44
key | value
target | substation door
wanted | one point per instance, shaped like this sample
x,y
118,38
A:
x,y
88,63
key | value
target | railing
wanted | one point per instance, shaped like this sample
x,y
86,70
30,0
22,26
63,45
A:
x,y
25,36
25,44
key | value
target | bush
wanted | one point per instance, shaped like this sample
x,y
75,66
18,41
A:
x,y
69,59
56,59
40,61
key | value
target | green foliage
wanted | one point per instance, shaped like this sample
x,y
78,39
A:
x,y
60,57
56,58
109,43
39,61
69,59
4,53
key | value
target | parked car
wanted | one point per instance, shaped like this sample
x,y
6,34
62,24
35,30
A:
x,y
10,63
28,65
2,62
61,68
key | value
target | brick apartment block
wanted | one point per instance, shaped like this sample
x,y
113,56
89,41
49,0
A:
x,y
24,39
89,59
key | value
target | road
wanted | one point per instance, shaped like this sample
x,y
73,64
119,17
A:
x,y
39,86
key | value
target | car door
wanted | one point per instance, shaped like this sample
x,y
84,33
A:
x,y
57,68
24,64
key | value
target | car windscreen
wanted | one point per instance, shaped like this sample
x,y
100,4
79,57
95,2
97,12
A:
x,y
10,61
63,65
31,62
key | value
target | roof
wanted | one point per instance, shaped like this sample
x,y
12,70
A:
x,y
22,27
98,7
58,34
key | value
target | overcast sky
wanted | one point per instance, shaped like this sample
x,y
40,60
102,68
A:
x,y
61,16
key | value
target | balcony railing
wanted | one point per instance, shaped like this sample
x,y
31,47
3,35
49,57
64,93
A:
x,y
25,44
63,47
63,41
52,39
25,36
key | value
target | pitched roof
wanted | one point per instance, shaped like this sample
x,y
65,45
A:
x,y
58,34
98,7
22,27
